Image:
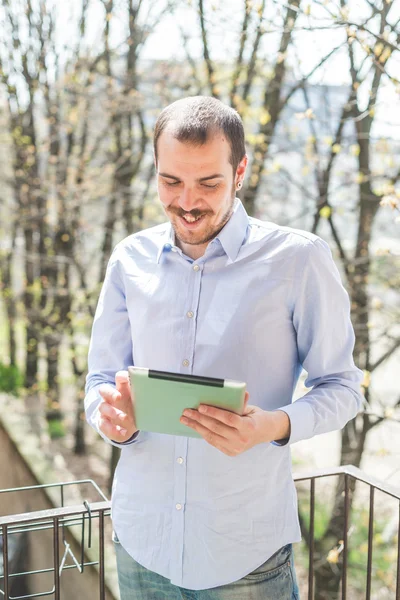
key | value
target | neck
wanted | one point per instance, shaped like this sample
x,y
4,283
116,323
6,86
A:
x,y
194,251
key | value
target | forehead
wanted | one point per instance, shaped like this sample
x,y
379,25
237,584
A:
x,y
186,156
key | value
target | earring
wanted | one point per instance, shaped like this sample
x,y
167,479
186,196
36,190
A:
x,y
239,185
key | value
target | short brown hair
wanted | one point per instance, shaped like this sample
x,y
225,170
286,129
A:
x,y
196,117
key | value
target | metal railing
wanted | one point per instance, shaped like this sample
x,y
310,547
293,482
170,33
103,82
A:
x,y
350,475
59,519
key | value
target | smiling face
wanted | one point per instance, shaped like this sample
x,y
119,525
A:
x,y
196,186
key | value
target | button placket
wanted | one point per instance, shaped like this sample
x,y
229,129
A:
x,y
181,443
178,507
190,320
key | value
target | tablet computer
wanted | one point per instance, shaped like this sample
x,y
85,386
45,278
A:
x,y
160,397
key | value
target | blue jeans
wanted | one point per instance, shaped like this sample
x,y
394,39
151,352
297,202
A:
x,y
273,580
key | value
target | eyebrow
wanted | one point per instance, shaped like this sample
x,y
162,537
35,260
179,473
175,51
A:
x,y
214,176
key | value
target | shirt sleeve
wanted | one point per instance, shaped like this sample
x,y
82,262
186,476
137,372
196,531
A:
x,y
110,348
325,342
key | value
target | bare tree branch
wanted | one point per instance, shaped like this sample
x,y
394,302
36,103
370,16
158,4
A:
x,y
395,345
239,61
206,52
191,61
251,68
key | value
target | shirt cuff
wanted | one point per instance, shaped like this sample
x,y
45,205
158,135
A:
x,y
301,419
283,441
132,439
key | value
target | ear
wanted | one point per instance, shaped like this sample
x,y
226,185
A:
x,y
241,168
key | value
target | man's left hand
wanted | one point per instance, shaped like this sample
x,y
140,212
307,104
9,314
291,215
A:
x,y
233,434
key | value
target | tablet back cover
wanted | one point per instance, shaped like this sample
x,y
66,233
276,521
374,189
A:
x,y
159,403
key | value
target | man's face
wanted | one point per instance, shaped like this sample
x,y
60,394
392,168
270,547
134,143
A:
x,y
196,186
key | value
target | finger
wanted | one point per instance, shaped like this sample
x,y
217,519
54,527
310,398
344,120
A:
x,y
113,432
109,393
226,451
212,424
224,416
210,436
246,399
213,439
115,415
122,381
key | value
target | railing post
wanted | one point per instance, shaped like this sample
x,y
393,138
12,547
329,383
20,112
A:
x,y
311,553
370,540
398,561
56,546
5,562
101,554
345,530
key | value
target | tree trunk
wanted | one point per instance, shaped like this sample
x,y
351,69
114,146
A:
x,y
32,334
327,579
328,576
10,305
11,316
54,414
80,425
272,106
31,369
114,458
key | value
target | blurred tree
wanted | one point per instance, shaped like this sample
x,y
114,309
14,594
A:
x,y
370,39
370,66
61,139
130,138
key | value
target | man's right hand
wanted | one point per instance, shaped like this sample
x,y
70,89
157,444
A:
x,y
117,419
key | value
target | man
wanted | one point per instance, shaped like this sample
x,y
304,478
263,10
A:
x,y
213,292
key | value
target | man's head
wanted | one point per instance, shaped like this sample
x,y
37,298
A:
x,y
200,158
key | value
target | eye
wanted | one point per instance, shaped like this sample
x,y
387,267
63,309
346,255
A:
x,y
211,187
172,183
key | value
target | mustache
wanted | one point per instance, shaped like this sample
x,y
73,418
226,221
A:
x,y
194,213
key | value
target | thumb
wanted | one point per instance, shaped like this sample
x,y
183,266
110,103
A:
x,y
246,399
122,382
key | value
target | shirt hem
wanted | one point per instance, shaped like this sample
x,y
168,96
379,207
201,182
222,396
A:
x,y
289,539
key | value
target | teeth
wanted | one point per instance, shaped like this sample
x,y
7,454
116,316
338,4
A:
x,y
191,219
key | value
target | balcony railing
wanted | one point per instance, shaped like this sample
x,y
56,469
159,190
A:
x,y
88,517
350,475
74,531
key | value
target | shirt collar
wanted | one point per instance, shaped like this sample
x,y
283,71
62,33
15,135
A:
x,y
231,236
167,241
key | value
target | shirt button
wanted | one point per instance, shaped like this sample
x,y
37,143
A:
x,y
178,506
179,460
185,362
190,314
196,268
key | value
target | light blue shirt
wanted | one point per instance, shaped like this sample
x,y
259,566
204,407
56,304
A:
x,y
262,302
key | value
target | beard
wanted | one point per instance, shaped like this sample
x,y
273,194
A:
x,y
210,231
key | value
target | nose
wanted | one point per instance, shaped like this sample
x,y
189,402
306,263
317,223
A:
x,y
187,199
